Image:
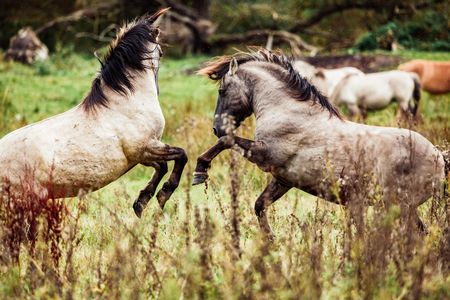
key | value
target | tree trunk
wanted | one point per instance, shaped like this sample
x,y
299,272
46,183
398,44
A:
x,y
202,7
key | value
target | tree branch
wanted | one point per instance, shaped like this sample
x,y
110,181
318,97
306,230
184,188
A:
x,y
77,15
179,8
370,5
261,36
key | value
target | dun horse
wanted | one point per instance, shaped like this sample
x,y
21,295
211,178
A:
x,y
376,90
117,126
303,142
434,75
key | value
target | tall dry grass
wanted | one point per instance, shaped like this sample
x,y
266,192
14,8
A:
x,y
207,244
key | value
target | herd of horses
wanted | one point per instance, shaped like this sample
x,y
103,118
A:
x,y
301,139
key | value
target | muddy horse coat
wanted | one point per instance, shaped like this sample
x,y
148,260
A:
x,y
117,126
303,142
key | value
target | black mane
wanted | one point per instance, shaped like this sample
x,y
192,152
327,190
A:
x,y
126,54
299,87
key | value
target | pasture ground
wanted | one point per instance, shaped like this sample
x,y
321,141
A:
x,y
206,243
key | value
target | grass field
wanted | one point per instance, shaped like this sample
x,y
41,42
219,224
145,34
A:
x,y
206,244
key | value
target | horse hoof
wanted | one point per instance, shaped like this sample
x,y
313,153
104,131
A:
x,y
199,178
137,207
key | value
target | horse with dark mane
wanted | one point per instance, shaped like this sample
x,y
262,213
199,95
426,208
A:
x,y
301,139
117,126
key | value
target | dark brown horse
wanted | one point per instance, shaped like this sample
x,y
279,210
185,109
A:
x,y
303,142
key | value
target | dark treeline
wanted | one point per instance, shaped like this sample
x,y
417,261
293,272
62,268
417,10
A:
x,y
209,25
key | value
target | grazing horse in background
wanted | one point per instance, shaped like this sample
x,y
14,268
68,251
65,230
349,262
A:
x,y
325,80
376,90
332,77
117,126
303,142
434,75
310,72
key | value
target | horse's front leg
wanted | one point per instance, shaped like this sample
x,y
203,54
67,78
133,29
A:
x,y
355,113
255,152
181,159
147,193
205,159
158,154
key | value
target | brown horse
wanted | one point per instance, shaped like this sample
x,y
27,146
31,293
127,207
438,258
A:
x,y
434,75
303,142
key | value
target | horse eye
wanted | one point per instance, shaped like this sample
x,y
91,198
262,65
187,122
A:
x,y
222,92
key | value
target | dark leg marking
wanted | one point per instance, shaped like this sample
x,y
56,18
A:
x,y
204,160
271,193
181,159
147,193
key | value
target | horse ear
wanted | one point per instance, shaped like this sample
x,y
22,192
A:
x,y
156,15
233,66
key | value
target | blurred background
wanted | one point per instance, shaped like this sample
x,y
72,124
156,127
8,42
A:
x,y
206,244
212,26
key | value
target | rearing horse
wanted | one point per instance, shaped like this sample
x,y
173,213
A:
x,y
303,142
117,126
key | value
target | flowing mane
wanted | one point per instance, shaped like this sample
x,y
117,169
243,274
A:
x,y
298,86
127,53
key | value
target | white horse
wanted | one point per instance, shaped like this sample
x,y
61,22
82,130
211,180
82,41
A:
x,y
333,76
117,126
325,80
312,74
377,90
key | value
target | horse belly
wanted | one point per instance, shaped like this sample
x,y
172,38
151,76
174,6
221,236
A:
x,y
376,101
87,167
375,97
59,162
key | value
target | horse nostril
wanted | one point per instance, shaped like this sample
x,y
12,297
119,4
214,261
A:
x,y
215,131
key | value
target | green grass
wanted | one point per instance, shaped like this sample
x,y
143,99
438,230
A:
x,y
187,250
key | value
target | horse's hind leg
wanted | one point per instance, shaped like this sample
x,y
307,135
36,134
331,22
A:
x,y
147,193
271,193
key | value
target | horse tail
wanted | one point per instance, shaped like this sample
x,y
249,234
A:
x,y
416,93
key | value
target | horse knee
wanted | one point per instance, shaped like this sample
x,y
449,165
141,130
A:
x,y
183,157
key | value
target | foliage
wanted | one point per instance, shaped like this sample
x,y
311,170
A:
x,y
206,243
414,27
427,33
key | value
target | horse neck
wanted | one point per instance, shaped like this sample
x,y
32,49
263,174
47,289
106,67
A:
x,y
271,101
263,100
143,97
